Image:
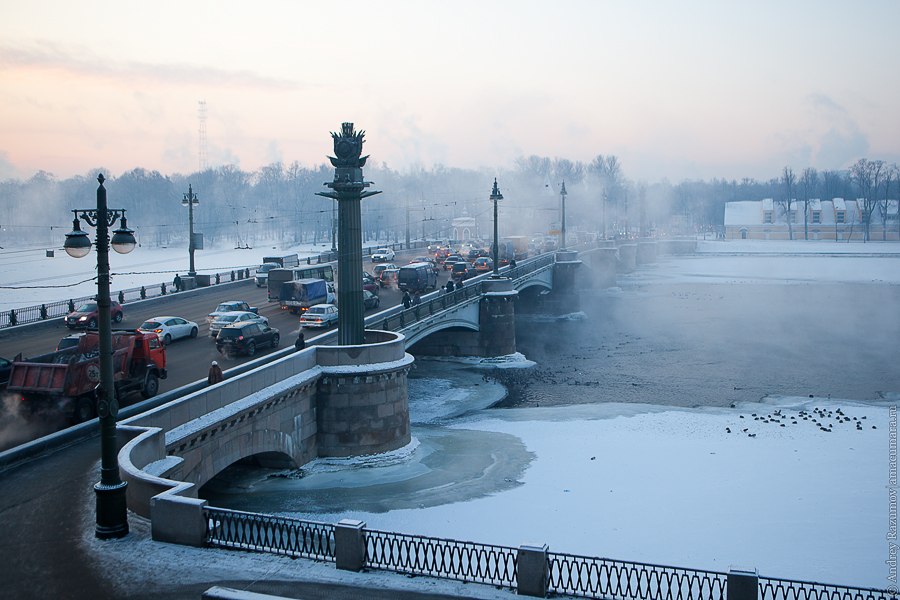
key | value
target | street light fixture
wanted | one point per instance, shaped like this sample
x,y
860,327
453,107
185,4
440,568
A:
x,y
112,509
562,196
191,199
495,196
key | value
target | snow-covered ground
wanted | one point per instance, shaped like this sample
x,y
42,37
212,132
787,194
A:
x,y
799,488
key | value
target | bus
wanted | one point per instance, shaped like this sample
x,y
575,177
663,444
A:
x,y
280,276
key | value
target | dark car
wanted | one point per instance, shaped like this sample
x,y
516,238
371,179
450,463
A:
x,y
460,270
370,300
369,284
245,338
5,368
85,316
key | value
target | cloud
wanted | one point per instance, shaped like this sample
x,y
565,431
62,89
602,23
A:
x,y
840,140
83,63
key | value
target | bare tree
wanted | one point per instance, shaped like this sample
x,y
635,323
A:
x,y
808,182
867,175
884,204
786,199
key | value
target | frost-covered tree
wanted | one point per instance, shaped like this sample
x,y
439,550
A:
x,y
786,198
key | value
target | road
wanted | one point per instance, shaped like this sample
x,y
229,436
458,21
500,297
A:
x,y
187,360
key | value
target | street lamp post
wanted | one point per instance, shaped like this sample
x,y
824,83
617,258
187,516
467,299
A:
x,y
562,196
190,199
112,517
495,196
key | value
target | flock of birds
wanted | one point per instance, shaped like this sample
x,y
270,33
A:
x,y
826,420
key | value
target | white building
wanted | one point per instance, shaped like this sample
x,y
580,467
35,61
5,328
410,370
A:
x,y
835,219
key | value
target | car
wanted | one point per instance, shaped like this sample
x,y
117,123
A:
x,y
460,270
235,316
69,341
483,264
388,278
5,369
452,260
370,300
229,306
245,338
425,259
170,328
383,255
379,269
85,316
369,284
319,315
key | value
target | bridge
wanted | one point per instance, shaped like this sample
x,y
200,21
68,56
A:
x,y
325,400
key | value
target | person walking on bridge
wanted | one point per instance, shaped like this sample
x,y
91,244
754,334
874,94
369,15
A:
x,y
407,301
300,344
215,374
450,286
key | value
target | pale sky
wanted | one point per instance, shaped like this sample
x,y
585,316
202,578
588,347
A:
x,y
675,89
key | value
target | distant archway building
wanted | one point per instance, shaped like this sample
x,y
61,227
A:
x,y
464,229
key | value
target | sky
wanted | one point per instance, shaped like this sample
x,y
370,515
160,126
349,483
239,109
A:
x,y
682,90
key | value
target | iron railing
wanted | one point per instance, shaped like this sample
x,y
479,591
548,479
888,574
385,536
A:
x,y
60,308
787,589
617,580
437,557
268,533
469,291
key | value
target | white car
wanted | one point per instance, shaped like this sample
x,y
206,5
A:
x,y
170,328
320,315
234,316
383,255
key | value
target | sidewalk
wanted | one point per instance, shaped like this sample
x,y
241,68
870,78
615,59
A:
x,y
49,551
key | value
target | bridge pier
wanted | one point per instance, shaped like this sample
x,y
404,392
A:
x,y
627,258
496,335
362,402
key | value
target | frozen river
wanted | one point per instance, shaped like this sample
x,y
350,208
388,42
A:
x,y
621,439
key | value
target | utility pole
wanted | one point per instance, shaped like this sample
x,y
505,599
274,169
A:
x,y
190,199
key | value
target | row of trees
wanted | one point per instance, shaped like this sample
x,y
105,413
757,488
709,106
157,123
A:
x,y
873,183
277,206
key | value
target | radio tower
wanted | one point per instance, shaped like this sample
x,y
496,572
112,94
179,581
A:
x,y
201,116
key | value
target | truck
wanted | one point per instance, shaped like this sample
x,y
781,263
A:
x,y
282,261
512,247
66,382
298,296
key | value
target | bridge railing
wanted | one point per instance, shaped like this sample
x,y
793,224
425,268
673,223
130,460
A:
x,y
531,570
470,290
60,308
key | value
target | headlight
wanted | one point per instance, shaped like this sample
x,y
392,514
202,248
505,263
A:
x,y
82,318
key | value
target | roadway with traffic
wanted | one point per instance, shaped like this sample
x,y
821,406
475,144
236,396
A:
x,y
188,360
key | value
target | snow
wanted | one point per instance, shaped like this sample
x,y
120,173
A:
x,y
659,484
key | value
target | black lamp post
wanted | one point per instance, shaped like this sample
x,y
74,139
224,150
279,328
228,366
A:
x,y
495,196
112,517
190,199
562,196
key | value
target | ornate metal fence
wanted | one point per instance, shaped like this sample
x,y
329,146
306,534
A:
x,y
59,309
612,579
268,533
448,559
787,589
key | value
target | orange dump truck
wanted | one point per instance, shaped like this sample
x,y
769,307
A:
x,y
66,381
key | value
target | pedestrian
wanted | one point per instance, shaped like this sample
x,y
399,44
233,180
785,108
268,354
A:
x,y
512,263
449,286
459,284
215,374
300,344
417,299
177,282
407,301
